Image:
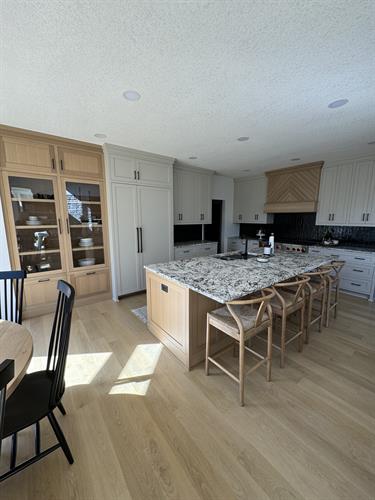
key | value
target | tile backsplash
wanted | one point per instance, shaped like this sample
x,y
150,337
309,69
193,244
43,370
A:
x,y
302,228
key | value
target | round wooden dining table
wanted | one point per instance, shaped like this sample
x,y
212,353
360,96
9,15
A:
x,y
16,343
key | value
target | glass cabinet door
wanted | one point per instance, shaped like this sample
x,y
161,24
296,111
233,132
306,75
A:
x,y
84,222
37,224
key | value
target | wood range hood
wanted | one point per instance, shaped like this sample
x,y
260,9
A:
x,y
293,189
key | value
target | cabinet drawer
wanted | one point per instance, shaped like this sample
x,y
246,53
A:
x,y
184,252
360,258
355,285
90,282
357,271
41,291
207,249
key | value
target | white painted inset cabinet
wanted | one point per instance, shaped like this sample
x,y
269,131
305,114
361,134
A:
x,y
192,196
249,199
141,208
347,194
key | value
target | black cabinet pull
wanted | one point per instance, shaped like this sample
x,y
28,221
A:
x,y
43,280
137,239
368,215
138,174
355,284
91,272
67,226
135,174
359,258
141,238
59,222
61,165
53,164
164,288
358,270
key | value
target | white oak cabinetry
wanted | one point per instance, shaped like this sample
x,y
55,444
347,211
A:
x,y
140,193
55,213
347,194
249,199
192,196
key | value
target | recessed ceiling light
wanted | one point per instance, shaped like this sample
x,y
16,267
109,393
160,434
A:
x,y
246,170
295,159
193,157
371,143
242,139
100,136
338,103
132,95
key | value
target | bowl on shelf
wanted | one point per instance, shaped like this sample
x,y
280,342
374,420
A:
x,y
86,262
33,220
86,242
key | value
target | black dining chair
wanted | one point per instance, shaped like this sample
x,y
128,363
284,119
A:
x,y
39,393
11,295
6,375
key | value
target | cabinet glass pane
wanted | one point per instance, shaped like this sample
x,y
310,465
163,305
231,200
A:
x,y
85,223
37,232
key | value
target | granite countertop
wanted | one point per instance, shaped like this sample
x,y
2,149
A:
x,y
223,280
193,242
346,246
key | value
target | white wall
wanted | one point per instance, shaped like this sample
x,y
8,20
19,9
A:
x,y
223,189
4,254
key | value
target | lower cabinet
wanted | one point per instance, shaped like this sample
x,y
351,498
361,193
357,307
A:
x,y
90,282
41,291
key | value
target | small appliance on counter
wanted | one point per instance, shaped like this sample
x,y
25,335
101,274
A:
x,y
328,240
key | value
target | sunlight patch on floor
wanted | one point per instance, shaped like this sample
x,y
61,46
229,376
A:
x,y
135,377
81,369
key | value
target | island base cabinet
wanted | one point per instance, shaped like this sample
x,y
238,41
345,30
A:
x,y
177,316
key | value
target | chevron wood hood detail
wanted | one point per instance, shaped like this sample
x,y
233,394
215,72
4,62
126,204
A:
x,y
293,189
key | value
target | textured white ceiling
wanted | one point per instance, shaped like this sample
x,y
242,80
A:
x,y
208,72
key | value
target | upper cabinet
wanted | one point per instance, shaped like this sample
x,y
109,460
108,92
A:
x,y
23,154
346,196
192,196
80,163
362,210
249,200
137,167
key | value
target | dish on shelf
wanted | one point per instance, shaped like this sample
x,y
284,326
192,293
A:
x,y
33,222
86,242
86,262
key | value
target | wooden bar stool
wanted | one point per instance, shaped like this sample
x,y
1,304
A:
x,y
316,289
241,320
289,298
333,286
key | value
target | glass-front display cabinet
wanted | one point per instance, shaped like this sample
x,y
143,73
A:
x,y
85,224
37,223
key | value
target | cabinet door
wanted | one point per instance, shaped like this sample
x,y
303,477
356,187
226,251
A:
x,y
362,177
205,195
186,198
242,207
370,217
151,172
123,169
29,156
85,223
41,291
342,194
34,223
155,206
128,257
80,163
90,282
326,191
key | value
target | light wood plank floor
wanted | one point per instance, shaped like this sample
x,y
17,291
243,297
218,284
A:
x,y
141,427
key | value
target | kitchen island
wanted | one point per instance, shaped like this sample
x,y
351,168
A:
x,y
180,293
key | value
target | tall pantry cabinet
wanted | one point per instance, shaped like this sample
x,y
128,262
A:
x,y
54,202
140,194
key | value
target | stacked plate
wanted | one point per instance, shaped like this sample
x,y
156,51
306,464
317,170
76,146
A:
x,y
33,221
86,242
